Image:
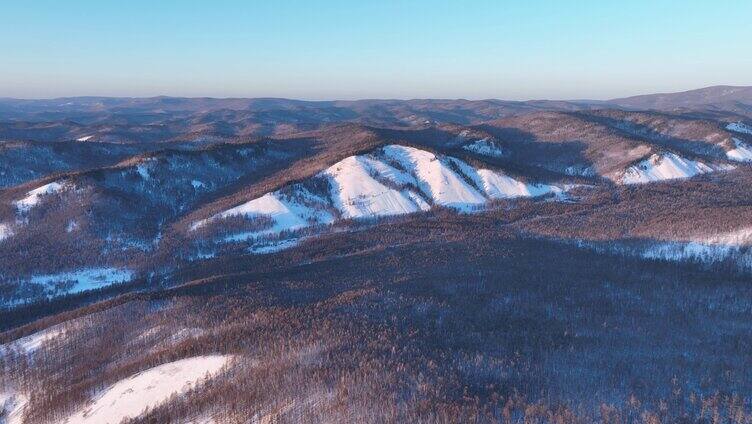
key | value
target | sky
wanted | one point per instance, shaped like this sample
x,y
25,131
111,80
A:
x,y
332,49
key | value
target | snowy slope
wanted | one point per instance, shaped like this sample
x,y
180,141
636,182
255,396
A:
x,y
393,180
666,166
357,194
498,186
130,397
435,177
741,152
33,197
33,342
12,406
739,127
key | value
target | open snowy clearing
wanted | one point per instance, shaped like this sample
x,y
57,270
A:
x,y
131,397
85,279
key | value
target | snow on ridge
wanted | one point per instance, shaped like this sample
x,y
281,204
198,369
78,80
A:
x,y
132,396
485,147
85,138
666,166
393,180
739,127
741,152
33,197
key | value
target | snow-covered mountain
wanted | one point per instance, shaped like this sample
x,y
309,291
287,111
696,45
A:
x,y
394,180
667,166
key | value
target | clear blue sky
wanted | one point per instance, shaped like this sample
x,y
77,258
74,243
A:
x,y
331,49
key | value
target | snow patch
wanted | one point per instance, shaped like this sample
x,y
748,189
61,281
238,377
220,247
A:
x,y
33,197
666,166
72,226
5,231
86,279
485,147
197,184
741,152
739,127
86,138
131,397
143,171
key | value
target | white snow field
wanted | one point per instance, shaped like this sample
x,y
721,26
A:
x,y
85,138
484,147
666,166
12,407
742,152
739,127
131,397
33,197
86,279
394,180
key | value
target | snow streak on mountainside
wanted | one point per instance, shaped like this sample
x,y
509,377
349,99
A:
x,y
739,127
394,180
667,166
130,397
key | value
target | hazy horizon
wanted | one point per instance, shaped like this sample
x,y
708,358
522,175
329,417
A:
x,y
364,99
337,50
